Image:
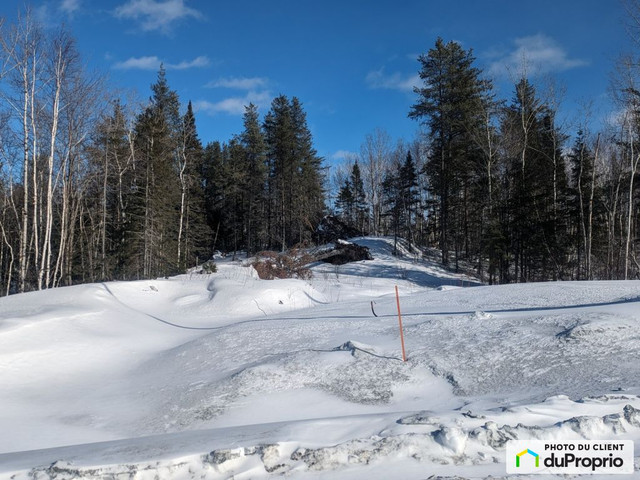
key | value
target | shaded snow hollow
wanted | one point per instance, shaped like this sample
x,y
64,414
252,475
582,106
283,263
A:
x,y
225,375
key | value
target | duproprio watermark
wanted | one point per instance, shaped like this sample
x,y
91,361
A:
x,y
570,457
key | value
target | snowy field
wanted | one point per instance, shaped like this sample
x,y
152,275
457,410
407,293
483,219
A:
x,y
228,376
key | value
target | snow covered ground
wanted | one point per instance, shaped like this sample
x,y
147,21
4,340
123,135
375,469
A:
x,y
228,376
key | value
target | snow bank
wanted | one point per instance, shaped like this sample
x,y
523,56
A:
x,y
227,375
469,443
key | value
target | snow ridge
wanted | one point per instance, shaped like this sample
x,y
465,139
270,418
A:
x,y
298,378
444,445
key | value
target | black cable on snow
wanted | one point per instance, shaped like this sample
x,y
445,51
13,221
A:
x,y
362,317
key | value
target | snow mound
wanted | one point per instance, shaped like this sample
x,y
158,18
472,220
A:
x,y
432,446
226,375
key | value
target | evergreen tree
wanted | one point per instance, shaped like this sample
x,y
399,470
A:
x,y
234,182
483,234
213,191
282,168
112,164
166,102
157,186
359,198
584,203
556,193
345,202
393,202
194,232
448,104
255,150
400,186
537,187
310,182
408,190
521,122
295,185
351,200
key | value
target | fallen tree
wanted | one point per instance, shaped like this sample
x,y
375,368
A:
x,y
344,252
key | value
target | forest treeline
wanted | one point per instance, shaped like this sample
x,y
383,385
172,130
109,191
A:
x,y
498,185
94,189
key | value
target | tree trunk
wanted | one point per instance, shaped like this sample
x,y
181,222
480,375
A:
x,y
183,186
633,160
44,275
591,197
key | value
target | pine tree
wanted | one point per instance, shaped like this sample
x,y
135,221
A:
x,y
310,183
351,200
234,181
448,103
193,232
295,185
255,150
282,166
408,189
521,123
213,192
157,184
345,202
393,202
537,187
359,198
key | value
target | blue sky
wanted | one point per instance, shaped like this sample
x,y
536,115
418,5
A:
x,y
352,63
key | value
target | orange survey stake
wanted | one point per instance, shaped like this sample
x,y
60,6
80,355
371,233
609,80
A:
x,y
404,355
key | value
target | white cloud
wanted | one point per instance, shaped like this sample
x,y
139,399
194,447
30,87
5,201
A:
x,y
538,54
395,81
343,154
153,63
198,62
156,14
139,63
70,6
233,105
238,83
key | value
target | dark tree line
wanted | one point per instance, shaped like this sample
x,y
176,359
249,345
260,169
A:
x,y
92,189
499,186
264,189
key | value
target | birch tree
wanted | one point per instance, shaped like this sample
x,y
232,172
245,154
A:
x,y
23,50
375,159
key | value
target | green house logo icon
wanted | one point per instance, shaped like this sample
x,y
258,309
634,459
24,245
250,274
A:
x,y
530,452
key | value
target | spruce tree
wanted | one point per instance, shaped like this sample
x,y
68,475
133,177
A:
x,y
393,202
213,192
194,232
408,186
448,103
536,196
345,202
282,166
295,184
359,198
157,184
581,164
310,182
351,200
255,151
